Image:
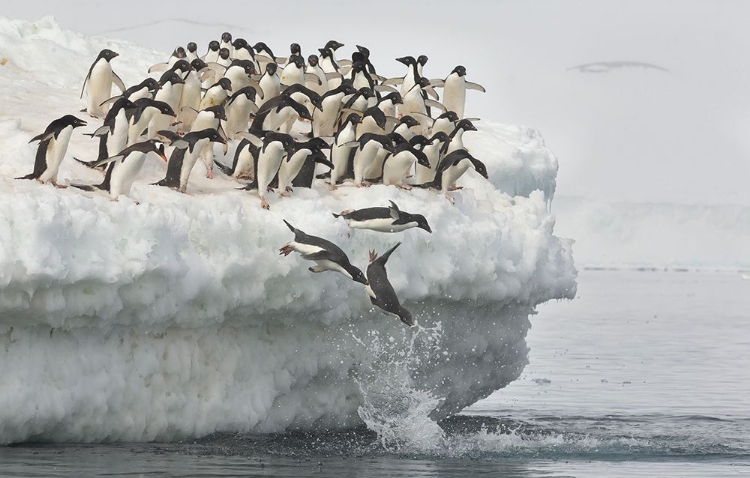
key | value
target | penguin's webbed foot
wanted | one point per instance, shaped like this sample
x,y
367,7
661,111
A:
x,y
373,256
264,204
404,187
58,186
285,250
209,174
450,199
269,189
455,188
289,189
284,195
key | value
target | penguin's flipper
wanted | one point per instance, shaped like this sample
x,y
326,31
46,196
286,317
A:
x,y
224,168
394,210
90,164
118,82
437,83
344,62
384,258
175,139
350,144
430,91
435,104
313,77
475,86
110,100
375,76
290,226
473,119
86,80
104,161
42,137
217,68
333,75
84,187
159,67
101,131
385,89
281,59
391,122
264,57
255,140
394,81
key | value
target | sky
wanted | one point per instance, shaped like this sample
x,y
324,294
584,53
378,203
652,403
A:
x,y
676,132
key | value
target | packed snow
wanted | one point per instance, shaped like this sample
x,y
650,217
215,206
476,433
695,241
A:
x,y
177,317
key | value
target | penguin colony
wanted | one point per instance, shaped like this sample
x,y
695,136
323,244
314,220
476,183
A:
x,y
363,128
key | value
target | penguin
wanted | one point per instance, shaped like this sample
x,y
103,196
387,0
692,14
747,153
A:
x,y
270,84
305,96
275,114
294,72
431,148
404,127
99,79
309,152
124,167
190,99
360,76
455,139
454,90
238,108
365,52
412,74
381,291
373,120
387,103
263,55
328,63
306,174
452,167
324,120
225,58
145,110
226,42
210,118
145,89
213,52
368,146
445,123
398,164
384,219
415,103
170,93
217,93
327,255
341,153
240,73
275,147
192,52
313,66
244,164
113,134
421,62
178,54
185,154
53,144
243,51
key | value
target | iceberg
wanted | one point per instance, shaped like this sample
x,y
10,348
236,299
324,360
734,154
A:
x,y
176,317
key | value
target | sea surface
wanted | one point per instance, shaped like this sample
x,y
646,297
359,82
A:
x,y
645,373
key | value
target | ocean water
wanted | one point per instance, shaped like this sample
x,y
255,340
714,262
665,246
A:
x,y
645,373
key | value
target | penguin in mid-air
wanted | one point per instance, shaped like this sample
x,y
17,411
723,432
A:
x,y
53,144
384,219
381,291
99,79
327,255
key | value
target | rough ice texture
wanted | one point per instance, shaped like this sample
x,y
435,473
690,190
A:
x,y
177,317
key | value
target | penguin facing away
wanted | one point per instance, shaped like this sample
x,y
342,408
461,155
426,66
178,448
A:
x,y
327,255
381,291
384,219
53,144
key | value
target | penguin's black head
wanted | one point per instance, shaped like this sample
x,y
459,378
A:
x,y
449,115
419,140
479,167
459,70
364,51
150,83
324,53
353,118
239,43
225,83
406,60
397,140
423,82
224,53
395,98
347,86
319,157
198,64
358,57
315,99
357,275
181,65
466,125
318,142
439,136
192,47
215,137
298,61
179,52
333,45
226,37
421,158
295,49
214,45
422,222
164,108
108,54
70,120
247,65
258,47
248,91
409,121
170,77
422,60
313,60
271,68
365,92
217,111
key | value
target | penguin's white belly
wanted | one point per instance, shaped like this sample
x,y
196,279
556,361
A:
x,y
380,225
245,163
442,125
292,75
289,169
363,161
124,173
376,167
454,94
360,81
368,125
55,154
424,174
191,98
238,116
238,78
271,88
142,93
274,120
388,108
215,96
319,88
326,265
118,139
451,175
324,121
413,103
305,249
456,143
395,168
408,83
268,165
99,86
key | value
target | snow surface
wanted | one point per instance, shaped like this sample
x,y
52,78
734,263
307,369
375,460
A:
x,y
177,317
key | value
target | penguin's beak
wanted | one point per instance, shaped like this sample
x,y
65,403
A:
x,y
79,123
403,60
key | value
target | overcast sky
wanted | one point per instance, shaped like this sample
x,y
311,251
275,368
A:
x,y
631,133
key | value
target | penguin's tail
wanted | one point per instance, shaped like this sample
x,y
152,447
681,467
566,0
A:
x,y
90,164
29,176
428,185
249,187
163,182
84,187
336,215
324,175
291,228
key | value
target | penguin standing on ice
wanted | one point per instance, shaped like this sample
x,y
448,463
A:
x,y
113,135
454,90
124,168
381,291
99,79
53,144
186,152
327,255
452,167
384,219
